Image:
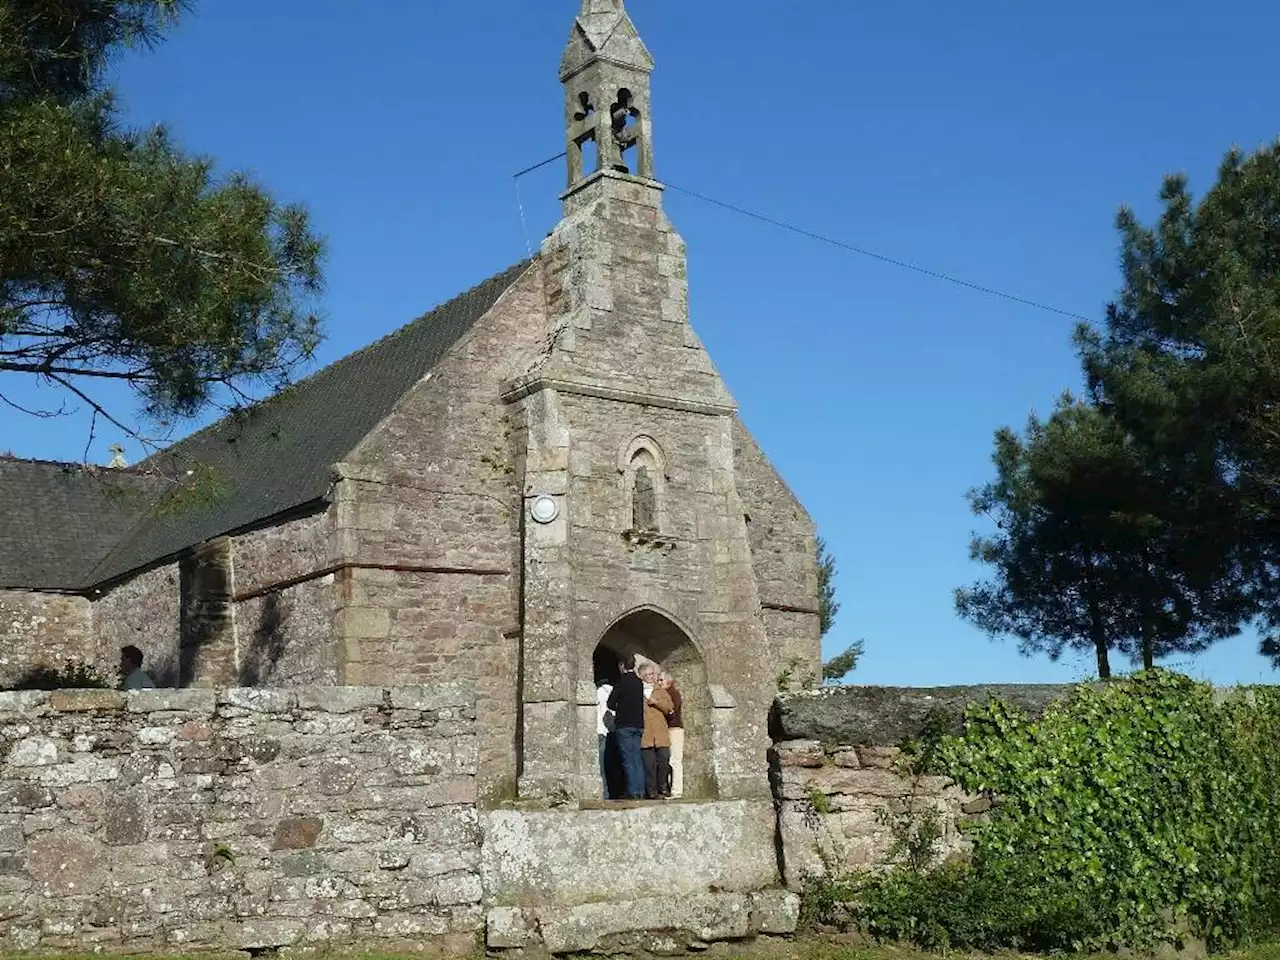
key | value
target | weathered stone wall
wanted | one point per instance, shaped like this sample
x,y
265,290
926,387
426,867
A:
x,y
625,382
163,820
784,558
286,551
842,784
45,629
428,511
699,575
589,880
837,808
147,613
286,636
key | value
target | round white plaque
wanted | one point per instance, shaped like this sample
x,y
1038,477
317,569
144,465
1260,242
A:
x,y
544,509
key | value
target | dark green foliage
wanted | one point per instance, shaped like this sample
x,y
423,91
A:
x,y
843,664
956,907
72,675
1189,360
1097,549
1129,813
827,605
122,257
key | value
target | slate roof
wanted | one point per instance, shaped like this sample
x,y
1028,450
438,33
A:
x,y
274,458
58,520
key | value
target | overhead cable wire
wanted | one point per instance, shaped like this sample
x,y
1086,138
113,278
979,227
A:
x,y
848,247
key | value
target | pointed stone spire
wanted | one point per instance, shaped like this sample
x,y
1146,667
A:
x,y
598,19
603,30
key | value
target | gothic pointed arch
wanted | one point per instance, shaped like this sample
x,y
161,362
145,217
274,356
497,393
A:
x,y
655,637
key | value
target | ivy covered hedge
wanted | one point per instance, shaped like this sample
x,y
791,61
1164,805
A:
x,y
1132,812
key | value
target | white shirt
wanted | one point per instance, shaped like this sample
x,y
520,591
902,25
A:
x,y
138,680
604,716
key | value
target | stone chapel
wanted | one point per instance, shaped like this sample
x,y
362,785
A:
x,y
509,492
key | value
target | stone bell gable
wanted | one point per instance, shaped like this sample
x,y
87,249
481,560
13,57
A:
x,y
513,491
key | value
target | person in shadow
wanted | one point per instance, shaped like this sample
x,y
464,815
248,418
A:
x,y
627,701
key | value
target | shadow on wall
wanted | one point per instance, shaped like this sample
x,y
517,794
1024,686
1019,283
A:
x,y
77,675
258,664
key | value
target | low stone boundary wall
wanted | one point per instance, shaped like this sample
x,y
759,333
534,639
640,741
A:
x,y
843,795
180,820
187,819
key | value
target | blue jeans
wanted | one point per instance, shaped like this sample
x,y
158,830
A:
x,y
632,760
604,767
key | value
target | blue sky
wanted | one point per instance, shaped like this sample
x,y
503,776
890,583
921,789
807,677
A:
x,y
993,140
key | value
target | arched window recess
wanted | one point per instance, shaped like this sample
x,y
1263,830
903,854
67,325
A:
x,y
644,490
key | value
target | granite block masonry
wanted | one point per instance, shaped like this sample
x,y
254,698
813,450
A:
x,y
191,819
155,821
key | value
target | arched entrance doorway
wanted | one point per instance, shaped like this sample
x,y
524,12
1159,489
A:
x,y
656,638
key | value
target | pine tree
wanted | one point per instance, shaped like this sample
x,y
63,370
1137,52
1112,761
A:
x,y
1093,551
122,258
827,605
1189,360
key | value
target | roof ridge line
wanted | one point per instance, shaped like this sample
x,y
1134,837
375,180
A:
x,y
133,469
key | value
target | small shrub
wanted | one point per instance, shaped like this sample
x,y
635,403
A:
x,y
72,675
958,907
825,902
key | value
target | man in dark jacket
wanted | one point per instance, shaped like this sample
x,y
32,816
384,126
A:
x,y
627,704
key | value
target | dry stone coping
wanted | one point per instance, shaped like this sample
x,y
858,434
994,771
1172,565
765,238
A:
x,y
202,702
439,697
257,700
23,701
886,716
86,701
341,699
206,702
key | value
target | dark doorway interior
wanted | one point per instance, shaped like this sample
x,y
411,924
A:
x,y
654,637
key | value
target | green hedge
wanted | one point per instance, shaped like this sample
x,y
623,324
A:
x,y
1132,812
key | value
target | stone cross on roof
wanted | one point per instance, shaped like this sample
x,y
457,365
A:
x,y
603,30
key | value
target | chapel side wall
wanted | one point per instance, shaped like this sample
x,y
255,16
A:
x,y
783,557
145,612
46,630
285,630
703,577
428,514
188,820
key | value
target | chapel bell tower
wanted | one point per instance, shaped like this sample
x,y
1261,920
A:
x,y
605,72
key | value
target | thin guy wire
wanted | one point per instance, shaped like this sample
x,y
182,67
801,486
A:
x,y
524,224
860,251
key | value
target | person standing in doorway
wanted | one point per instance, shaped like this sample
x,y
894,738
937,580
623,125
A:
x,y
604,733
627,703
657,741
135,678
675,730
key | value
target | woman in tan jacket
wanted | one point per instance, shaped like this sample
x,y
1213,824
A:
x,y
656,743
